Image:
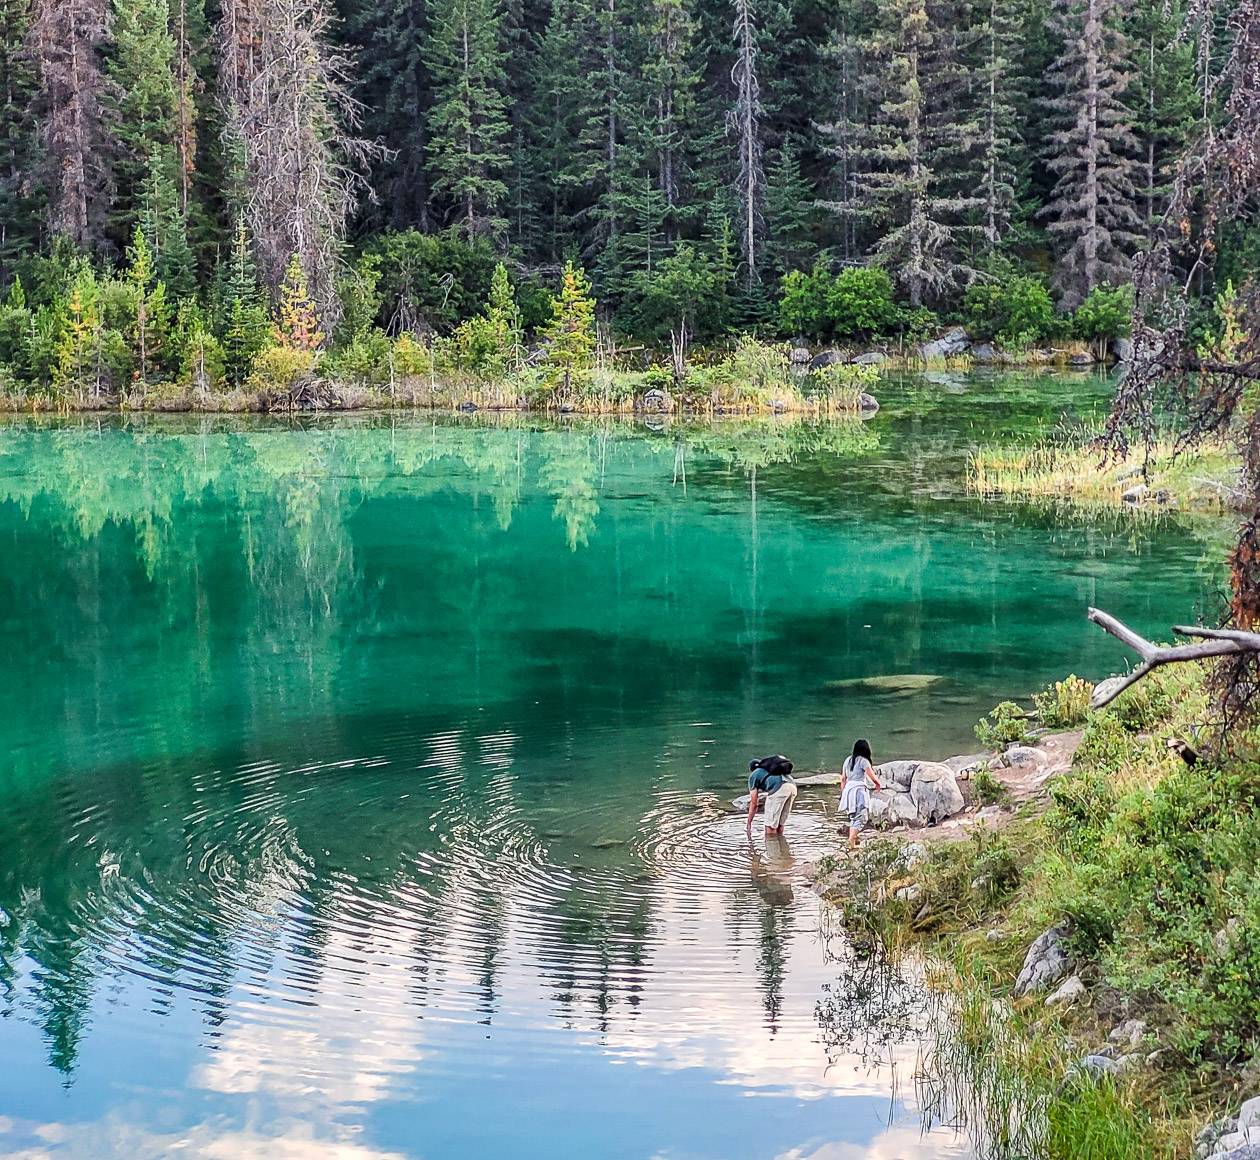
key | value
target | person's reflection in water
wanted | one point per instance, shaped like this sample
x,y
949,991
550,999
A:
x,y
772,877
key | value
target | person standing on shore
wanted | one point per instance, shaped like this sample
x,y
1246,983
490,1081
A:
x,y
855,798
771,778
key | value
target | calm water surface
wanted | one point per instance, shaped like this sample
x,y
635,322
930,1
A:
x,y
366,781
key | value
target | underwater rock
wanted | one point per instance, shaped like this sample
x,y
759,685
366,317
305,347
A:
x,y
890,683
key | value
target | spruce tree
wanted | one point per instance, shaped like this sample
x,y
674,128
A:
x,y
997,46
789,198
468,125
1091,214
146,102
843,131
670,76
570,335
17,91
165,227
907,185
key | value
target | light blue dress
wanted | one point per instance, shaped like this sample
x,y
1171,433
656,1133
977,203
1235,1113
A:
x,y
855,798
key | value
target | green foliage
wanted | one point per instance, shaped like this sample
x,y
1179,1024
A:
x,y
570,337
988,789
1006,724
686,291
854,304
1013,309
1104,314
430,281
1065,703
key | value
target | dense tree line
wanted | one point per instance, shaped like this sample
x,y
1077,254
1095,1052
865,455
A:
x,y
381,157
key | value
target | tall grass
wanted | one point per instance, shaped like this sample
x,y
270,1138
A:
x,y
1202,477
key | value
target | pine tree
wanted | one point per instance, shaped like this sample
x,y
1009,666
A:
x,y
468,125
788,202
166,229
240,314
297,320
670,78
570,336
145,101
744,126
1091,214
17,92
843,132
566,147
997,42
911,155
75,129
1161,94
150,321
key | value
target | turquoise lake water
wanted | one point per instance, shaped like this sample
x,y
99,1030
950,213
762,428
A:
x,y
366,779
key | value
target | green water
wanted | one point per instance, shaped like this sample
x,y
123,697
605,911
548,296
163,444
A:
x,y
366,780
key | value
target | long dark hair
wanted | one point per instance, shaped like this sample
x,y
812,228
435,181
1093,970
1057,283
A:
x,y
861,748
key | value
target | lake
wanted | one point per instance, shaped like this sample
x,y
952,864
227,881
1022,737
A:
x,y
367,779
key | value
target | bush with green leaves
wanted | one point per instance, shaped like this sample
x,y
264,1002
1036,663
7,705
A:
x,y
853,305
1006,724
429,280
987,788
1105,314
686,290
1013,309
1064,704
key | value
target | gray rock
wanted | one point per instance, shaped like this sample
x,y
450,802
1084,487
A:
x,y
911,892
984,352
1128,473
897,774
912,854
1135,494
1025,757
1105,689
1081,359
893,807
1095,1067
869,358
1129,1033
827,358
993,935
1249,1151
967,763
1205,1142
1249,1114
1045,963
868,403
953,342
1067,993
935,793
657,401
1122,349
800,355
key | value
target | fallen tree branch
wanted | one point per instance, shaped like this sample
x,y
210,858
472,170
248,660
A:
x,y
1216,642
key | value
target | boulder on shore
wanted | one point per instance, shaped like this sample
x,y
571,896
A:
x,y
1045,963
935,793
869,358
868,403
800,356
954,341
827,358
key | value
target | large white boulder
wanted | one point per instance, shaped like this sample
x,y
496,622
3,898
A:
x,y
935,793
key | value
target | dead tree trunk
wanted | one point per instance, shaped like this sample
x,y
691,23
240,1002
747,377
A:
x,y
1216,642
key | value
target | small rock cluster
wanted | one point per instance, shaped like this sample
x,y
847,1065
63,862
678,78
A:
x,y
1232,1138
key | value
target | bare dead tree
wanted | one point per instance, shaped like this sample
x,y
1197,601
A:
x,y
1216,188
64,40
290,124
743,123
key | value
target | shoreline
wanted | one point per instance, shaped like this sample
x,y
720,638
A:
x,y
1056,1027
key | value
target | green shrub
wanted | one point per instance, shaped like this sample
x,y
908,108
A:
x,y
987,788
1105,314
365,361
1065,703
281,367
1005,725
1014,309
1105,743
853,305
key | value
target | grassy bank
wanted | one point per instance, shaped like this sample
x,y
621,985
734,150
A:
x,y
754,379
1198,478
1150,866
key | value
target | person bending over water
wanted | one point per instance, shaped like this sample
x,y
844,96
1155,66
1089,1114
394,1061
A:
x,y
771,778
855,798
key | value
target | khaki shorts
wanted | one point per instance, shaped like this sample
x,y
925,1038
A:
x,y
779,805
